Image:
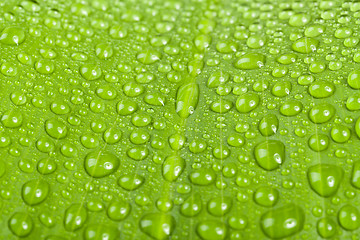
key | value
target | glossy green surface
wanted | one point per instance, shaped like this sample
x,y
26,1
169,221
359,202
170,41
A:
x,y
179,120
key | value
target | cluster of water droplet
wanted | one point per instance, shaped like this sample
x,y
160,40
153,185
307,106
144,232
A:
x,y
182,120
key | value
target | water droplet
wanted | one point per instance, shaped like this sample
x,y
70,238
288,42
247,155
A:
x,y
118,32
247,102
30,6
219,206
100,164
192,206
281,89
266,196
325,179
164,204
250,61
340,133
145,77
353,102
45,145
46,219
270,154
131,181
256,41
138,153
12,36
148,56
172,168
46,166
221,106
177,141
55,128
69,150
269,125
126,107
35,191
21,224
283,222
238,222
326,227
211,229
299,20
48,53
101,231
75,217
133,89
187,98
305,45
118,210
321,113
206,26
60,107
321,89
354,79
202,176
291,108
195,67
202,42
45,66
319,142
197,145
155,99
158,225
12,118
18,98
106,92
349,217
89,140
112,135
287,58
104,51
90,71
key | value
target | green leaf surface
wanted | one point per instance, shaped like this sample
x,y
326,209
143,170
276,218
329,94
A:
x,y
179,119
